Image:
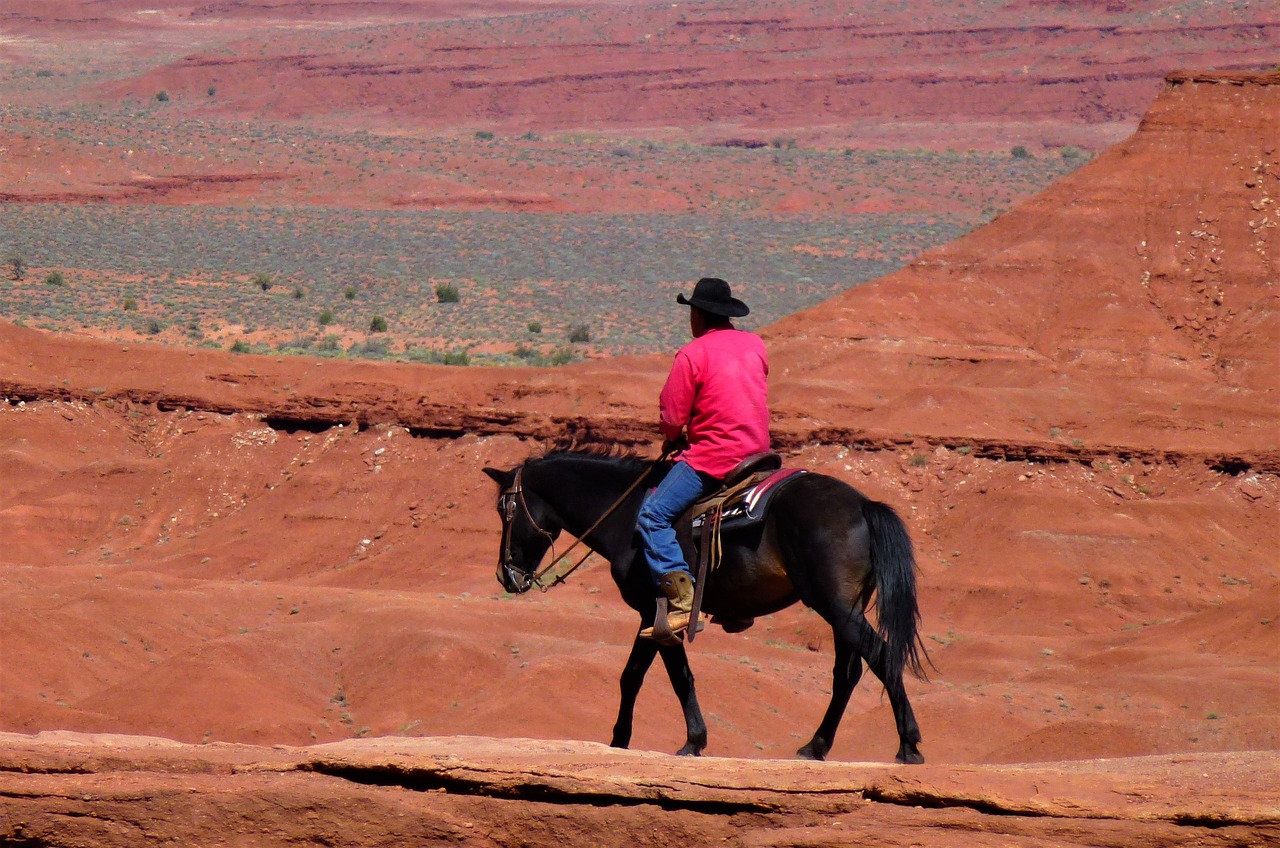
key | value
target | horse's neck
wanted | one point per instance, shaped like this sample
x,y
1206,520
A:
x,y
581,489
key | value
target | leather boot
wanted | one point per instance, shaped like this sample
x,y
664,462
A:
x,y
669,628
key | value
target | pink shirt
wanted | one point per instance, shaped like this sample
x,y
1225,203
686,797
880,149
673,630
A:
x,y
717,393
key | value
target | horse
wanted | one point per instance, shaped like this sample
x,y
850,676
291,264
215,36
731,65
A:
x,y
823,543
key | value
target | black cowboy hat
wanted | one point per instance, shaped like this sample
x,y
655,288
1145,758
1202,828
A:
x,y
713,295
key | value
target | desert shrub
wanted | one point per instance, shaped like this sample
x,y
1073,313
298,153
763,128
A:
x,y
298,344
447,293
298,293
422,354
240,346
212,91
523,351
535,327
162,96
44,73
561,356
17,266
378,324
372,348
152,327
579,333
1020,151
529,136
350,293
456,357
484,135
1070,152
130,304
55,279
263,281
326,317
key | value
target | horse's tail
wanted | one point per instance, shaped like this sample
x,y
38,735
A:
x,y
897,611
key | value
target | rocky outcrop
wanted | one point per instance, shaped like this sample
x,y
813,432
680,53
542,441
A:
x,y
68,789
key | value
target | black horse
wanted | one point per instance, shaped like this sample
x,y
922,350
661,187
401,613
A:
x,y
823,543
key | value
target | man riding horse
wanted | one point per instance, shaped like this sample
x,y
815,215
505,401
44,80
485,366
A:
x,y
714,410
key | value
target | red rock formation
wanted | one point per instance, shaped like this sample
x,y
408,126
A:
x,y
1074,408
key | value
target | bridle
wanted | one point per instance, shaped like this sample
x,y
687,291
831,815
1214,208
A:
x,y
512,498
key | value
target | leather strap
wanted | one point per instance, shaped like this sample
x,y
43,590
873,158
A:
x,y
708,559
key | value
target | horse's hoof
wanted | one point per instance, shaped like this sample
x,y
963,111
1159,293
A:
x,y
910,758
808,752
689,751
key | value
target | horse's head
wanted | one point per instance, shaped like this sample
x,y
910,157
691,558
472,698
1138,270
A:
x,y
529,527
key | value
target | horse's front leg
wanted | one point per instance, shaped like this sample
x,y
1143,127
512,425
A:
x,y
677,663
642,653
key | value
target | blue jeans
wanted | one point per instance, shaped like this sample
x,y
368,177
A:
x,y
656,522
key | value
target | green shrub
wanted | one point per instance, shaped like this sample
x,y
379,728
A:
x,y
447,293
153,327
535,327
240,346
561,356
579,333
212,91
372,348
298,344
130,304
55,279
263,281
422,354
1020,152
378,324
456,357
326,317
350,293
298,293
162,96
484,135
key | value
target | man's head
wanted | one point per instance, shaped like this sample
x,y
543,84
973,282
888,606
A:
x,y
712,305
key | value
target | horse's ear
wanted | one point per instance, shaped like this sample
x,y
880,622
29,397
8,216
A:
x,y
502,478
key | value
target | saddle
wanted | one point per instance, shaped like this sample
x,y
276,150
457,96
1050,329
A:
x,y
738,508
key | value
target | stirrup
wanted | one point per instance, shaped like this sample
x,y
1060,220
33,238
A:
x,y
661,631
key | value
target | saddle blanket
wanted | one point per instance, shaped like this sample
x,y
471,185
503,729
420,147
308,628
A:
x,y
746,505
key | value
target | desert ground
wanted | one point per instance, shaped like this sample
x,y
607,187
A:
x,y
249,599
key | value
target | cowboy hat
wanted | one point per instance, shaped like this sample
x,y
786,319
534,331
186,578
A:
x,y
713,295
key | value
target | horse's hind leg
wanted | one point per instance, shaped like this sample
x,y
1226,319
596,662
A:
x,y
875,649
642,653
845,676
677,663
855,639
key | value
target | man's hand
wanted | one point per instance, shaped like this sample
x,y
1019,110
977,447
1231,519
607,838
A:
x,y
676,445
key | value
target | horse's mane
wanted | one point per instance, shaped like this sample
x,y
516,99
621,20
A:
x,y
614,454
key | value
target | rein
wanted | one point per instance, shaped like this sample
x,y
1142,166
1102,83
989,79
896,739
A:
x,y
516,493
